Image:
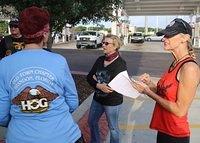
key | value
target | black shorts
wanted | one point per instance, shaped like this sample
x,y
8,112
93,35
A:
x,y
165,138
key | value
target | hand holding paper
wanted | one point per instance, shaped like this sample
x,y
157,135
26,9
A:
x,y
122,84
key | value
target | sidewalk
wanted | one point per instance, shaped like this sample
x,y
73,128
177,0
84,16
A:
x,y
135,116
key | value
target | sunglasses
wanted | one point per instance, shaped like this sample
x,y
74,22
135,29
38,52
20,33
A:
x,y
106,43
13,26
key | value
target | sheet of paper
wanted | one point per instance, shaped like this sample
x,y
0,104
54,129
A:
x,y
122,84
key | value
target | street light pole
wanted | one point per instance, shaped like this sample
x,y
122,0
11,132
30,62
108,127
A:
x,y
146,28
156,24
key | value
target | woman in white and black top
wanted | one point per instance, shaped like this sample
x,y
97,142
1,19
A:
x,y
105,99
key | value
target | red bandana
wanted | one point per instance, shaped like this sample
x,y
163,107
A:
x,y
111,56
39,33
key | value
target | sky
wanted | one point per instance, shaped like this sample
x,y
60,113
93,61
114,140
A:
x,y
139,21
152,21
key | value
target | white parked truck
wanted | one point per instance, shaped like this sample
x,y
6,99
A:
x,y
89,39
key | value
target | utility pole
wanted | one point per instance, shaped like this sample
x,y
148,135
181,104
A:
x,y
146,28
156,24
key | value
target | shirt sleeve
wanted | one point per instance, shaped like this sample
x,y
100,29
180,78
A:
x,y
70,91
2,48
90,78
4,101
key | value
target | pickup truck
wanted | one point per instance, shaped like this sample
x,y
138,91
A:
x,y
89,39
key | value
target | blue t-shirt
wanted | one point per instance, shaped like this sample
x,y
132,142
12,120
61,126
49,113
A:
x,y
37,94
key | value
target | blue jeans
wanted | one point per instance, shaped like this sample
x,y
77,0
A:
x,y
112,114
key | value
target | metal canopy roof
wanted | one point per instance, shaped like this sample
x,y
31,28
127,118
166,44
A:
x,y
161,7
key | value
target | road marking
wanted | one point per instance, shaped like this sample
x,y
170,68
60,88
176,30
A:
x,y
129,127
195,126
197,98
149,99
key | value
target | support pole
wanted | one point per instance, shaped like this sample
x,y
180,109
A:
x,y
146,28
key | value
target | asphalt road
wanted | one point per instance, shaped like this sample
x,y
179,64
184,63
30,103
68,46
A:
x,y
148,57
137,62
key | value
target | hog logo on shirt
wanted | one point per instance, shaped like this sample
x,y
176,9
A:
x,y
34,100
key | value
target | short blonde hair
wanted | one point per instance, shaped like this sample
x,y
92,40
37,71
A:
x,y
116,40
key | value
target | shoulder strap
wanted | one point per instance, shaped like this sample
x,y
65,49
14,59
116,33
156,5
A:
x,y
190,59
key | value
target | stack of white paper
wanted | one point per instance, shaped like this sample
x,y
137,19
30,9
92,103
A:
x,y
122,84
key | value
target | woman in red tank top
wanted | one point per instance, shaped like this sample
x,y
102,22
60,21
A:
x,y
177,87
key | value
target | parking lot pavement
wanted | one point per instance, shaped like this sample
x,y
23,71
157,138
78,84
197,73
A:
x,y
144,47
68,45
138,47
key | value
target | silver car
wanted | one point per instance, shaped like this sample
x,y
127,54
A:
x,y
137,38
154,38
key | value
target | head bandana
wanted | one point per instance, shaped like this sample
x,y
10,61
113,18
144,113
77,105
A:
x,y
39,33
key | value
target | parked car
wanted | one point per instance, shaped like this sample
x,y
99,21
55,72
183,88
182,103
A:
x,y
153,38
89,39
137,38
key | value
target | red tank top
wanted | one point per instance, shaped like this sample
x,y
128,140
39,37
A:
x,y
163,120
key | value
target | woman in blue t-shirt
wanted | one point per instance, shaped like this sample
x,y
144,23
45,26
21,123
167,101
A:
x,y
37,91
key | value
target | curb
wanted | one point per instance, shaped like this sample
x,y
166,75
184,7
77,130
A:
x,y
80,115
82,109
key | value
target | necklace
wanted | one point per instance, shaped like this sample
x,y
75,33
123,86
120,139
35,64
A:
x,y
182,58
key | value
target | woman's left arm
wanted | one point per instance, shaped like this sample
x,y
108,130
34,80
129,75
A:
x,y
189,78
70,91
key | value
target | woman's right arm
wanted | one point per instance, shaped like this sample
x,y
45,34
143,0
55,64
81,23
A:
x,y
90,77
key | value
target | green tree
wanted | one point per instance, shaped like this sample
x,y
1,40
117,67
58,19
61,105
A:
x,y
108,29
3,27
151,29
80,28
66,11
140,29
